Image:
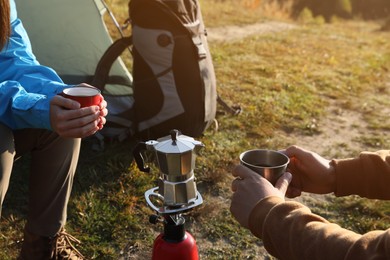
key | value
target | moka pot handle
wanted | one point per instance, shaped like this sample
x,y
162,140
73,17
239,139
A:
x,y
139,159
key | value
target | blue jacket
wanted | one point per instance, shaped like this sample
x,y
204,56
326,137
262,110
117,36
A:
x,y
26,87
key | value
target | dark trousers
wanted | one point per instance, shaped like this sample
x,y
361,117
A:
x,y
53,164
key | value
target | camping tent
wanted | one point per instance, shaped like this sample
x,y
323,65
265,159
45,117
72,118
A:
x,y
70,36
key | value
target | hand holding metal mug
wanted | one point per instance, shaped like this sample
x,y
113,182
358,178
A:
x,y
268,163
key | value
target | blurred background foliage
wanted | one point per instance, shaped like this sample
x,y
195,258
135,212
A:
x,y
328,9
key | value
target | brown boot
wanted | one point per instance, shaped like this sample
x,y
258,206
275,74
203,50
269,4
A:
x,y
35,247
43,248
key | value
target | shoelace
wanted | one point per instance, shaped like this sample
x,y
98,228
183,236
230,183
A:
x,y
63,247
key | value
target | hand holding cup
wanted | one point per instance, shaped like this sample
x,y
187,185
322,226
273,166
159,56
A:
x,y
78,111
269,164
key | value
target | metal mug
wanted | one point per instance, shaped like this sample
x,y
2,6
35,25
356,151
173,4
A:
x,y
268,163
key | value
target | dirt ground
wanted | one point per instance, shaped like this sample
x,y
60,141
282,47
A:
x,y
232,33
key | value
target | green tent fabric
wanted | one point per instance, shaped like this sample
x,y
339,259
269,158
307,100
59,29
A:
x,y
70,36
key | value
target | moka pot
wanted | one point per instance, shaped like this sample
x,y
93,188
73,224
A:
x,y
175,157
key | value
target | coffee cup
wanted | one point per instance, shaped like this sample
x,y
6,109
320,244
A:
x,y
268,163
86,95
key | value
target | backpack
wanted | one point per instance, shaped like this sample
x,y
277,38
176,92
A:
x,y
174,85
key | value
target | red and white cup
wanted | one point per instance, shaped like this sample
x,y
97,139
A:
x,y
86,95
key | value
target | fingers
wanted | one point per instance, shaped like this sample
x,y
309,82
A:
x,y
103,103
235,183
293,192
297,153
102,122
78,123
242,172
283,182
294,150
68,103
79,131
82,117
237,171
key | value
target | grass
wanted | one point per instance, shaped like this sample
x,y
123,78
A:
x,y
284,82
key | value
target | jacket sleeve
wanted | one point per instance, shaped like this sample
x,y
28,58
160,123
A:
x,y
291,231
26,87
367,175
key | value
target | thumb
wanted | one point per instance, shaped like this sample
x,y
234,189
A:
x,y
283,182
61,101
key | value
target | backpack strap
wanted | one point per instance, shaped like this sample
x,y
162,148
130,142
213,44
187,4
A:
x,y
234,109
110,55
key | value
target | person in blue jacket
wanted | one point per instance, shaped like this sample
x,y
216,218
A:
x,y
35,119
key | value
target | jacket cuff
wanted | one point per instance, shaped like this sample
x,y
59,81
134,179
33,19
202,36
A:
x,y
366,175
260,212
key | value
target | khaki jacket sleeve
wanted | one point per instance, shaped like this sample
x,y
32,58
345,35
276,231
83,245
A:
x,y
367,176
291,231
